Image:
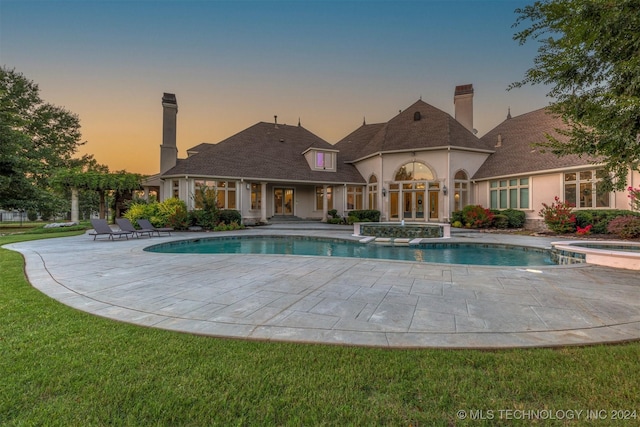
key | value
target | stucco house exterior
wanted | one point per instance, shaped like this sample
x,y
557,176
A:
x,y
419,166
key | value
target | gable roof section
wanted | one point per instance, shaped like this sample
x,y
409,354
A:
x,y
435,128
263,151
517,154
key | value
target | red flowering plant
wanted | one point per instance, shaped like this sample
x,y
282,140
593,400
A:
x,y
475,216
559,216
634,195
583,231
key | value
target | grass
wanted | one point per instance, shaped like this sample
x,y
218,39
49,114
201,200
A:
x,y
60,366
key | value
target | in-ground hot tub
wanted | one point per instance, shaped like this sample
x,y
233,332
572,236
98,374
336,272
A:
x,y
402,230
618,254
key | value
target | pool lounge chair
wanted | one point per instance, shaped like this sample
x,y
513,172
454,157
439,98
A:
x,y
144,223
125,225
101,228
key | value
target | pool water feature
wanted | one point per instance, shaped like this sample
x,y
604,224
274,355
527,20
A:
x,y
441,252
402,230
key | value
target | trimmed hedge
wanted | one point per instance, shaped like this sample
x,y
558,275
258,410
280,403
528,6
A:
x,y
366,215
228,216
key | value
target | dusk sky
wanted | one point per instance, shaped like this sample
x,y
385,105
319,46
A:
x,y
232,64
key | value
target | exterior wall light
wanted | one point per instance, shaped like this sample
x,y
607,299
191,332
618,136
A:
x,y
445,190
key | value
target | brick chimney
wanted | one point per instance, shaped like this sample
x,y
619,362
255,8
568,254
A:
x,y
463,100
169,148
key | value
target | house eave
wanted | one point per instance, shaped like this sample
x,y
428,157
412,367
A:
x,y
416,150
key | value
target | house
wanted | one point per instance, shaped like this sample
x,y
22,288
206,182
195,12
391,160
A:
x,y
419,166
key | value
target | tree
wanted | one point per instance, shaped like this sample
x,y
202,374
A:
x,y
589,55
36,140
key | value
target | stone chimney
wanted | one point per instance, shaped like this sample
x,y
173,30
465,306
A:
x,y
463,100
169,148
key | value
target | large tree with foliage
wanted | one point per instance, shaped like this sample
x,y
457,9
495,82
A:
x,y
589,55
36,140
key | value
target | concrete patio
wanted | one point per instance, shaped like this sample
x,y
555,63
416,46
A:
x,y
338,300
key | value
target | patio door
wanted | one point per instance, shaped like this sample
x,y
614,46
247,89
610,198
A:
x,y
283,201
413,205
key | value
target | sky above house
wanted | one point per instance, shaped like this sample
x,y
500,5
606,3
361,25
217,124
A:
x,y
328,64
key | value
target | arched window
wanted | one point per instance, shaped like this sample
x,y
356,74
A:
x,y
460,190
414,171
372,190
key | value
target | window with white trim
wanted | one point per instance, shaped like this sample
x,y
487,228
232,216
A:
x,y
510,193
354,197
324,160
584,189
225,193
320,195
373,192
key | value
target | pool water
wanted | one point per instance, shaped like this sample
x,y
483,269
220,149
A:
x,y
447,253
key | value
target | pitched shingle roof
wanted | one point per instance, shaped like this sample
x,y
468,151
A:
x,y
419,126
263,151
518,154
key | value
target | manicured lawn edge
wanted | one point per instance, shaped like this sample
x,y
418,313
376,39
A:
x,y
60,366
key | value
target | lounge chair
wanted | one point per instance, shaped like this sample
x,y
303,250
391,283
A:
x,y
101,228
125,225
144,223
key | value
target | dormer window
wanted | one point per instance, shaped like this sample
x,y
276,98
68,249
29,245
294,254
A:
x,y
324,160
321,159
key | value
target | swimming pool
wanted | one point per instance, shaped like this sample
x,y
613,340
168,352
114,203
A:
x,y
447,253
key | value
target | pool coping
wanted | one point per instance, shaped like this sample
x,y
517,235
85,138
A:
x,y
394,304
608,258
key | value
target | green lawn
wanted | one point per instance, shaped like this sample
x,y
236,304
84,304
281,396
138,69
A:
x,y
60,366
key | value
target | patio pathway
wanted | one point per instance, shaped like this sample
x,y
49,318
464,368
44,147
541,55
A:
x,y
338,300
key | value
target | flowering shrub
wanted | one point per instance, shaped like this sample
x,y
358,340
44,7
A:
x,y
475,216
634,195
627,227
558,216
582,231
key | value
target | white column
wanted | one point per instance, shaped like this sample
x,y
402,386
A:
x,y
263,202
324,203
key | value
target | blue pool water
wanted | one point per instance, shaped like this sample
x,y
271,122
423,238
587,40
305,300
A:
x,y
448,253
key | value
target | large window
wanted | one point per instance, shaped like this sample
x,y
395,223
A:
x,y
373,192
414,171
354,197
256,196
584,189
509,193
460,190
320,196
225,192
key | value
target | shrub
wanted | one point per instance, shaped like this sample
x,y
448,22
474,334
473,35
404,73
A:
x,y
333,213
516,217
500,221
334,220
137,210
32,215
208,214
456,216
229,216
558,216
627,227
366,215
171,213
233,225
457,224
599,218
475,216
583,231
